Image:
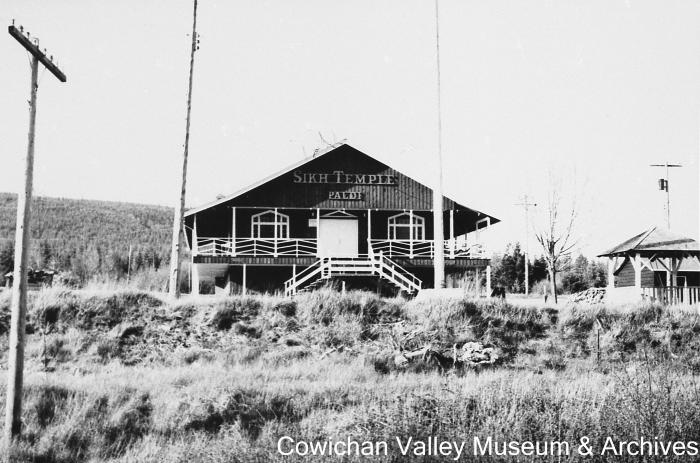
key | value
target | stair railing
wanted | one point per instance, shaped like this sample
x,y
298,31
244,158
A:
x,y
291,285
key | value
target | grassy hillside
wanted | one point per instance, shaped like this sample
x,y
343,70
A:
x,y
88,237
129,376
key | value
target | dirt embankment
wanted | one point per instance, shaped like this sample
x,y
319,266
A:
x,y
69,328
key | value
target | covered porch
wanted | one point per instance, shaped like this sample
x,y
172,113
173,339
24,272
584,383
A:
x,y
656,266
278,232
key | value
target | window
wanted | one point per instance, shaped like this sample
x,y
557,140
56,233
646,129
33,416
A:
x,y
400,227
270,224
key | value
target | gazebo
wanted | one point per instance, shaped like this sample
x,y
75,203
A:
x,y
655,265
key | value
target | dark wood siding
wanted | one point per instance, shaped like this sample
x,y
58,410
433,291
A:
x,y
283,193
625,276
217,223
692,278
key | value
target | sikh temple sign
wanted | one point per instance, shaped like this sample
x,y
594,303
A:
x,y
340,177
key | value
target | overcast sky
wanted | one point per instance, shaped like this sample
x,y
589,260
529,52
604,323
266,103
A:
x,y
586,92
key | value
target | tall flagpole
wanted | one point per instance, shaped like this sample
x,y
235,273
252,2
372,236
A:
x,y
438,231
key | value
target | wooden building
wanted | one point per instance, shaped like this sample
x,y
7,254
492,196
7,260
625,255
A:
x,y
655,265
340,214
36,279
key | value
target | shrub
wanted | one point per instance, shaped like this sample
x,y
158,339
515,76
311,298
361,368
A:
x,y
107,349
286,308
230,310
130,422
246,330
47,401
56,349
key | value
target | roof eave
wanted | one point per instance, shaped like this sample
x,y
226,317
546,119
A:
x,y
493,220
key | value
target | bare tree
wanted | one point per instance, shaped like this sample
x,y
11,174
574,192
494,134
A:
x,y
555,232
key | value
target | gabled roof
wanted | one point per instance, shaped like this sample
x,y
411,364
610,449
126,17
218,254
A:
x,y
317,155
655,239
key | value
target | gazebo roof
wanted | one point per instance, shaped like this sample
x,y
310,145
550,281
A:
x,y
656,240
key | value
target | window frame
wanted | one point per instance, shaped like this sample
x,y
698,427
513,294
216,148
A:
x,y
415,229
280,222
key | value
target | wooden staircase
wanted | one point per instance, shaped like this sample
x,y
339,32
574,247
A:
x,y
375,265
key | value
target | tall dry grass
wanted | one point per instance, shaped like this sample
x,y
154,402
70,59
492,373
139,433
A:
x,y
133,376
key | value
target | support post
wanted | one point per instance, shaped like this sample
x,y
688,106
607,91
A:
x,y
229,282
675,265
318,230
488,280
411,234
195,239
276,235
244,286
452,234
195,278
294,276
233,231
369,232
637,265
675,291
611,272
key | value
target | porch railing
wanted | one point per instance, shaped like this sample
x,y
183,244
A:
x,y
425,248
301,247
673,294
256,247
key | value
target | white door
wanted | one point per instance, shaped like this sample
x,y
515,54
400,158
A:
x,y
337,238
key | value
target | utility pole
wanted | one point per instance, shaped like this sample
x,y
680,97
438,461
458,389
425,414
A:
x,y
174,285
18,304
525,204
663,186
128,267
438,231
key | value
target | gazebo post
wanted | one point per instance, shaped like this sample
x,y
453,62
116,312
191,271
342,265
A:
x,y
611,271
675,265
676,291
637,264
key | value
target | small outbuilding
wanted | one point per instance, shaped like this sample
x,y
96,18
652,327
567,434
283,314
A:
x,y
36,279
655,265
